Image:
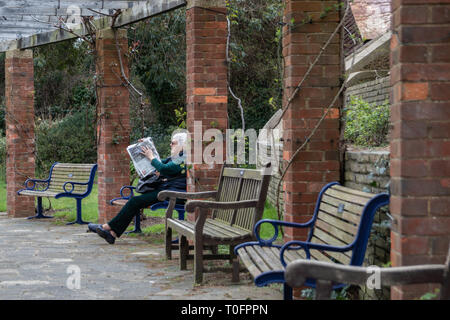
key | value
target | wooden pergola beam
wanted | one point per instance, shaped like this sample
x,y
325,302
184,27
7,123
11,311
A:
x,y
140,10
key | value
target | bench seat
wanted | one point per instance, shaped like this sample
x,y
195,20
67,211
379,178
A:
x,y
228,219
213,230
338,233
65,180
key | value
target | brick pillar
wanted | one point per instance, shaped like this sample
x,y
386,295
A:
x,y
318,163
207,81
20,161
113,128
420,146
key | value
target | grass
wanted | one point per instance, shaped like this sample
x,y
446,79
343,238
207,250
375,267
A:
x,y
2,196
64,210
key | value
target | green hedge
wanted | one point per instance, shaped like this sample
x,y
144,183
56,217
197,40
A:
x,y
366,124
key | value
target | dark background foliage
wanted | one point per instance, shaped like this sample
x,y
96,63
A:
x,y
65,93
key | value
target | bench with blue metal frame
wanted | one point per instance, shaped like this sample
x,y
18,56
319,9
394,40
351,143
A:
x,y
122,200
69,180
338,232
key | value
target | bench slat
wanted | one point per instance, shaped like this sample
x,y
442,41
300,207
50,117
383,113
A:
x,y
344,258
258,260
333,231
327,238
345,215
248,262
226,227
346,196
353,208
273,264
341,224
363,194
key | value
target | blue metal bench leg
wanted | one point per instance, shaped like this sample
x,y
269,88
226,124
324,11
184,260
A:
x,y
287,292
79,218
39,214
137,224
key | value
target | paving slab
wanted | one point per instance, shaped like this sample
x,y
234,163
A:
x,y
45,261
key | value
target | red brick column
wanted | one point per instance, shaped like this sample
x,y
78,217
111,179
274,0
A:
x,y
20,162
318,163
207,82
113,128
420,145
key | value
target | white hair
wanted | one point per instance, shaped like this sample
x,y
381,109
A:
x,y
180,138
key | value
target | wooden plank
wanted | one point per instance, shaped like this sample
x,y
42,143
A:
x,y
227,227
343,257
268,258
257,259
131,15
319,256
347,197
328,239
345,215
341,224
353,208
353,191
333,231
251,267
244,173
275,258
38,193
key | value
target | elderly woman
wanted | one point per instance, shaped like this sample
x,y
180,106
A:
x,y
171,168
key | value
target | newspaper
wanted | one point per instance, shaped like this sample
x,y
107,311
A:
x,y
141,163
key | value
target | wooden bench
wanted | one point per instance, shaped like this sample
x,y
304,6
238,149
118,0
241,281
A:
x,y
70,180
123,199
338,232
326,275
238,205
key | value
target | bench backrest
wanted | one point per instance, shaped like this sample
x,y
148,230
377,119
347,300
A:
x,y
344,216
238,184
60,173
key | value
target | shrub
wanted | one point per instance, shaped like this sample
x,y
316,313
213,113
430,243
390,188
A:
x,y
71,139
366,124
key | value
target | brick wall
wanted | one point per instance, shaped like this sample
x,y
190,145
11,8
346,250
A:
x,y
319,162
207,82
113,128
374,92
19,98
420,145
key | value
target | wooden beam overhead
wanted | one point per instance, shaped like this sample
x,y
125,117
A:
x,y
26,20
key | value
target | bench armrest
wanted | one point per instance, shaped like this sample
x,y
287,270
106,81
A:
x,y
34,181
73,183
192,204
307,246
163,195
276,224
131,188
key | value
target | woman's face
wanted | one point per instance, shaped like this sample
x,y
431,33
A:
x,y
175,148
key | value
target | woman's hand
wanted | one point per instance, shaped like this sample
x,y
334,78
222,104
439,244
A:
x,y
148,153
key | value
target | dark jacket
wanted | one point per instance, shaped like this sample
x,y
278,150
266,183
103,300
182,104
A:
x,y
175,173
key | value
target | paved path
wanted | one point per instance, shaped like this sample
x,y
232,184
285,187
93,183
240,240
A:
x,y
41,260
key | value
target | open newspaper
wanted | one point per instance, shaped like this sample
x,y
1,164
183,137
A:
x,y
141,163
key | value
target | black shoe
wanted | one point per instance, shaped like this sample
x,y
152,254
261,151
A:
x,y
105,234
92,227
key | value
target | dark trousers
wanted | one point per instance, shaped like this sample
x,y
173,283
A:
x,y
132,208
